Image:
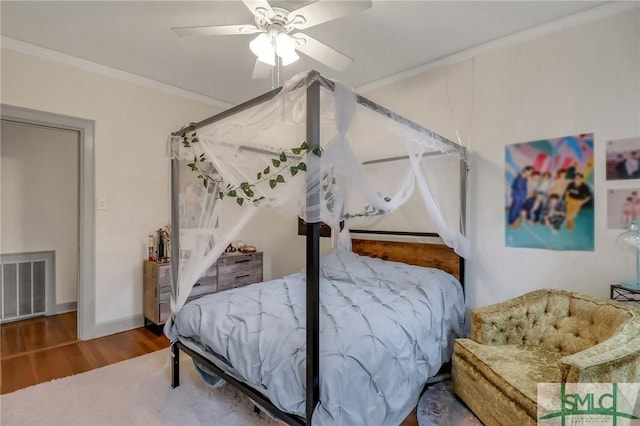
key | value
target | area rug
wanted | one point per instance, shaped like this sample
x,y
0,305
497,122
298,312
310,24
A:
x,y
134,392
438,406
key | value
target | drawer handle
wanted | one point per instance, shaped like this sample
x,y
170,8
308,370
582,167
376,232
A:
x,y
196,284
242,276
242,261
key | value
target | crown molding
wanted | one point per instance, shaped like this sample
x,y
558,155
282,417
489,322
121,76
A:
x,y
65,59
555,26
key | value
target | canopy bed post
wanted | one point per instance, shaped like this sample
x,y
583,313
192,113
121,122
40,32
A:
x,y
175,365
175,252
464,174
175,223
313,257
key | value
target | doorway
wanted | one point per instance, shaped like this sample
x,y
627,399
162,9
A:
x,y
83,131
39,221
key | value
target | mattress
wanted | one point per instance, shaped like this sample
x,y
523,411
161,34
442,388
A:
x,y
385,328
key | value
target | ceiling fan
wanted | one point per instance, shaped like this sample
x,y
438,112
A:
x,y
279,33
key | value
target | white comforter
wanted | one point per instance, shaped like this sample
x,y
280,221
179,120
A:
x,y
385,327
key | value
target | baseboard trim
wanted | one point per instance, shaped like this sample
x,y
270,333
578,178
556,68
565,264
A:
x,y
116,326
62,308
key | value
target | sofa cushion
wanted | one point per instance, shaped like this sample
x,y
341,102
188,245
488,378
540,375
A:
x,y
514,369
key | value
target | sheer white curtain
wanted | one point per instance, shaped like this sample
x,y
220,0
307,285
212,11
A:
x,y
261,152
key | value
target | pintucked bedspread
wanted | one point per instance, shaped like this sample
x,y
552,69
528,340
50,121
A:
x,y
385,327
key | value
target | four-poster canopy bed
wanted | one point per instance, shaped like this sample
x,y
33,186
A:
x,y
334,187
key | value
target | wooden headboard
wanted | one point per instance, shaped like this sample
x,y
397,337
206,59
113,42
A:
x,y
429,255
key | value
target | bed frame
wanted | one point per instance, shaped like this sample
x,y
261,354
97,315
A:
x,y
421,254
409,252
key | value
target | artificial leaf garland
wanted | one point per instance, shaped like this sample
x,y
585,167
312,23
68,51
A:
x,y
246,189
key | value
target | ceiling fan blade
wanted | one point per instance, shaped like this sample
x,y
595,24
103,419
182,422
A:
x,y
321,52
261,70
324,11
260,8
216,30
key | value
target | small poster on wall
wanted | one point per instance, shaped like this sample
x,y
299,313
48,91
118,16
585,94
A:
x,y
623,206
623,159
549,194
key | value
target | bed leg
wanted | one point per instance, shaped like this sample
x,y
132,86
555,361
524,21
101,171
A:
x,y
175,366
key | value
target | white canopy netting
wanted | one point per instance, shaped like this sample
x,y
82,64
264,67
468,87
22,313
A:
x,y
369,163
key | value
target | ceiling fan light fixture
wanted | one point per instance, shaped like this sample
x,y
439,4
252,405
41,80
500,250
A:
x,y
289,58
286,48
268,59
261,46
284,44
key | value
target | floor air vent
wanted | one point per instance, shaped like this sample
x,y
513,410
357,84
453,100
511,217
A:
x,y
26,280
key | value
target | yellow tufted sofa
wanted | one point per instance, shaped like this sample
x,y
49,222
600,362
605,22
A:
x,y
546,336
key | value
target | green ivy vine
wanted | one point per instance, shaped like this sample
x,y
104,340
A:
x,y
245,190
368,211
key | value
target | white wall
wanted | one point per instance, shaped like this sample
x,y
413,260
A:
x,y
40,199
132,123
581,80
284,251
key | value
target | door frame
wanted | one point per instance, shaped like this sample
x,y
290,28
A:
x,y
86,195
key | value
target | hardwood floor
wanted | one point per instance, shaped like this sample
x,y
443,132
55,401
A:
x,y
411,420
42,349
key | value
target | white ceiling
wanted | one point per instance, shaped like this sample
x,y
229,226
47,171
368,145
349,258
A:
x,y
388,38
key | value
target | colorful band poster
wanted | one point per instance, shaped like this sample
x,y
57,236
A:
x,y
549,196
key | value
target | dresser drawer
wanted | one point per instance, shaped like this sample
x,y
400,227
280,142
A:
x,y
164,297
203,286
212,271
236,262
164,274
239,278
165,311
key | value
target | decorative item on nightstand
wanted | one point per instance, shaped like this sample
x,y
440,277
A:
x,y
630,241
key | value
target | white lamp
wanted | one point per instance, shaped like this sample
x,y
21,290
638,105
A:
x,y
630,241
286,49
267,45
262,47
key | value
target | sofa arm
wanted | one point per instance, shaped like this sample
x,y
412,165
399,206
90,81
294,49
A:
x,y
507,322
616,360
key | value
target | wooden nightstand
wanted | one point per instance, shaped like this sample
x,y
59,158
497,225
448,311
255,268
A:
x,y
622,294
230,271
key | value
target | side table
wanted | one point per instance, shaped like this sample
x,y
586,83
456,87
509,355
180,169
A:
x,y
622,294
